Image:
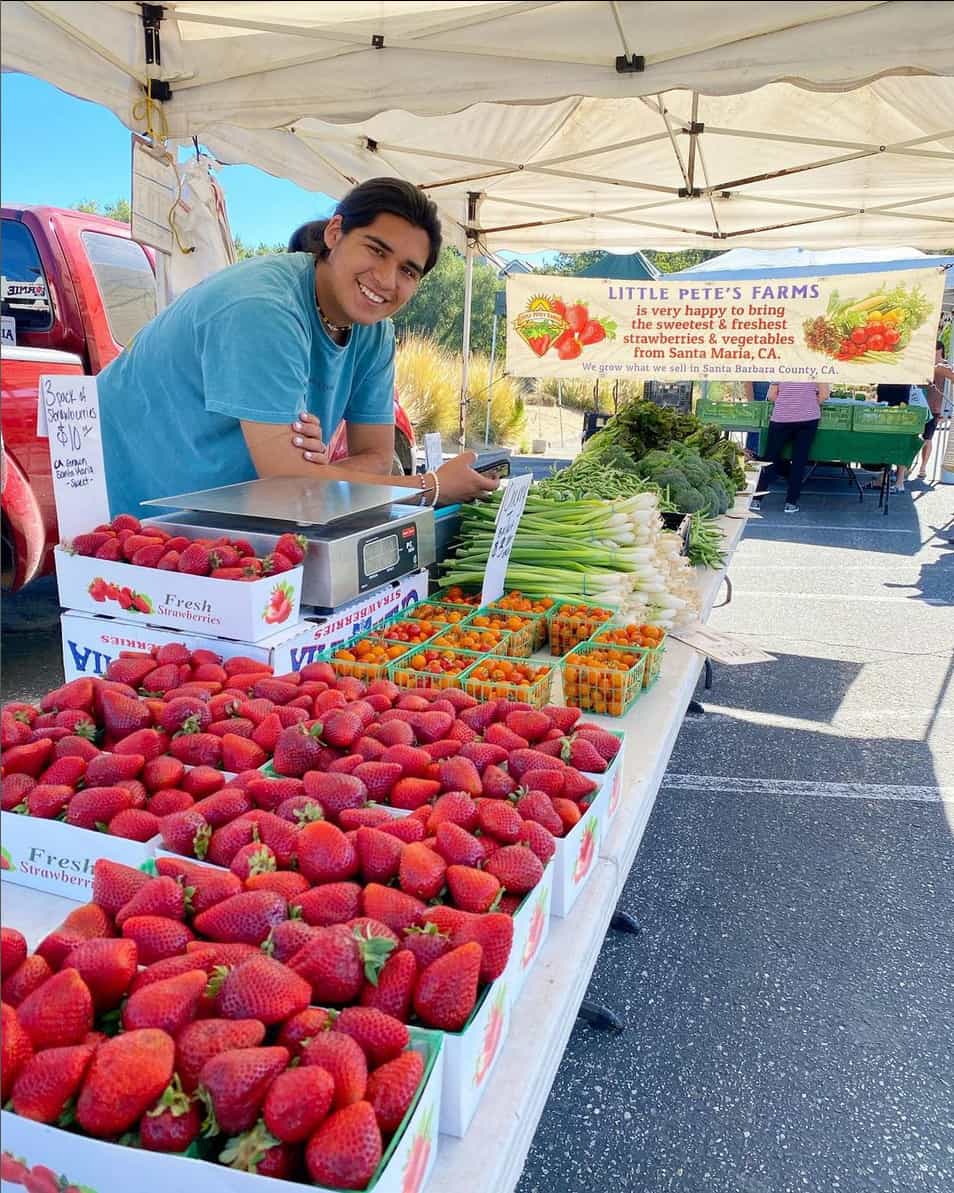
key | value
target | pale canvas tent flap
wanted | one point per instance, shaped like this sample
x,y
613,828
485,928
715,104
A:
x,y
773,124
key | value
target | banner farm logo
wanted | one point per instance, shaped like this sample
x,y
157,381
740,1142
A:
x,y
549,322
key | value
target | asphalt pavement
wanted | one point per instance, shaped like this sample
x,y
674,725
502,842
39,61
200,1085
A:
x,y
787,1005
788,1001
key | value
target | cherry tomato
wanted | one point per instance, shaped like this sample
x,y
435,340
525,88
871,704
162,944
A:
x,y
874,327
876,342
891,336
858,335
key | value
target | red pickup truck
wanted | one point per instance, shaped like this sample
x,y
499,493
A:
x,y
78,288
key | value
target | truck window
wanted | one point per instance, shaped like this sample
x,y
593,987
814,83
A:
x,y
125,280
25,293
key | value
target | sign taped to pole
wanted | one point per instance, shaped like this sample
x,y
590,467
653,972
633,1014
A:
x,y
856,328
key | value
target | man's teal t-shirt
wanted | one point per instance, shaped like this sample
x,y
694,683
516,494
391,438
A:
x,y
245,344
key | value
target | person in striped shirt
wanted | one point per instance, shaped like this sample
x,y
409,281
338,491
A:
x,y
795,416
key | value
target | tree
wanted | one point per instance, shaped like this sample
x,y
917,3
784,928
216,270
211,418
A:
x,y
570,264
117,210
437,309
243,250
667,262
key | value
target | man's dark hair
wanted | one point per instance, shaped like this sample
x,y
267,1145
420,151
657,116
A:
x,y
939,346
361,207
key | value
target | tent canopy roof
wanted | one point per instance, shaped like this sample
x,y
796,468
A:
x,y
818,123
626,266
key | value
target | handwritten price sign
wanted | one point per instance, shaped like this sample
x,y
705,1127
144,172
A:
x,y
70,410
505,531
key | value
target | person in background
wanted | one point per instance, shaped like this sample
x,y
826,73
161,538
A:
x,y
893,395
795,417
935,401
755,391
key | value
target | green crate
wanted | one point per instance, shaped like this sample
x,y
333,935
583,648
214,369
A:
x,y
836,417
600,689
652,654
567,631
402,674
365,671
733,416
536,693
889,420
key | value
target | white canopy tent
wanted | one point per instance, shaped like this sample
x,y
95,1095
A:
x,y
550,125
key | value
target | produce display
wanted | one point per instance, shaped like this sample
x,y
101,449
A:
x,y
870,330
126,540
603,679
572,624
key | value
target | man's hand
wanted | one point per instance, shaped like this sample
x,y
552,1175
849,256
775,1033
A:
x,y
307,437
459,481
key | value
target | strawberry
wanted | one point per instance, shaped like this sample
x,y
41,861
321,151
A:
x,y
279,835
472,890
394,908
426,943
173,1123
576,785
107,966
14,732
368,748
13,950
169,800
198,1042
134,824
270,793
135,542
532,725
342,728
244,918
379,855
538,806
447,990
539,839
202,780
240,726
569,813
264,989
46,801
448,748
15,789
47,1082
115,884
203,957
186,832
583,755
160,896
29,759
344,1060
368,927
286,938
185,710
346,1149
297,1101
123,715
252,859
83,923
394,990
550,781
297,750
233,1085
499,735
411,793
196,560
226,841
493,932
562,718
150,743
224,806
74,746
292,546
286,883
127,1074
458,847
421,872
330,903
169,561
607,744
455,807
197,749
130,669
336,961
161,680
378,778
381,1037
59,1013
355,818
517,867
391,1089
30,975
16,1047
324,853
169,1004
406,828
335,792
392,733
156,937
499,819
68,772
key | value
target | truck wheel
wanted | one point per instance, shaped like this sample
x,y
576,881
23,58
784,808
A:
x,y
403,455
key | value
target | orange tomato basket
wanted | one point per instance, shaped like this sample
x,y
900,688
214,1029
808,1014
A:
x,y
609,635
592,682
504,678
575,621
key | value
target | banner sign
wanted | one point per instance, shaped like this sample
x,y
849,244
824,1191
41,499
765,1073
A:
x,y
856,328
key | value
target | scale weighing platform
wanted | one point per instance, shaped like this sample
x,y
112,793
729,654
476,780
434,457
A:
x,y
359,537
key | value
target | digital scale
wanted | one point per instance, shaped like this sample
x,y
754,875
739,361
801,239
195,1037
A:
x,y
358,537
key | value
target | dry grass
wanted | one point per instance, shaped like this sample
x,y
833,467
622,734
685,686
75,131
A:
x,y
428,380
578,394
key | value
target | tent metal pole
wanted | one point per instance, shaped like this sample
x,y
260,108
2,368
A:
x,y
473,202
490,377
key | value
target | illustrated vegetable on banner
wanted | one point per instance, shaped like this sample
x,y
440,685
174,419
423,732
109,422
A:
x,y
856,328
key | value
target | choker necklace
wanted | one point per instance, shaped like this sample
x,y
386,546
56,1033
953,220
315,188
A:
x,y
334,328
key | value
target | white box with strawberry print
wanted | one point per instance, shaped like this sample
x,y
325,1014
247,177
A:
x,y
576,853
96,1166
248,611
531,925
612,778
470,1056
49,855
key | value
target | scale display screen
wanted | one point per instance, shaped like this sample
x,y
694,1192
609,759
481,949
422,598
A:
x,y
387,556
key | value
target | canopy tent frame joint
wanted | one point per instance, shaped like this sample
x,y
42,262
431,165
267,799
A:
x,y
151,15
630,64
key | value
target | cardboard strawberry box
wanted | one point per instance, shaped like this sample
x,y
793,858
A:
x,y
612,778
576,853
471,1054
51,856
249,612
95,1166
531,926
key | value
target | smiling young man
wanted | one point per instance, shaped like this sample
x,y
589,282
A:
x,y
206,393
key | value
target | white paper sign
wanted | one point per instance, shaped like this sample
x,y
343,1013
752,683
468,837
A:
x,y
721,647
505,531
433,451
71,406
155,188
8,330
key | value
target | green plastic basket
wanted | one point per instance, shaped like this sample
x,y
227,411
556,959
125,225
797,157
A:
x,y
733,416
535,693
889,420
651,654
569,630
469,590
836,418
357,668
600,689
402,674
523,641
487,646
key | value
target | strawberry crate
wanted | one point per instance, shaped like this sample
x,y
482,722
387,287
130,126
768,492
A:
x,y
574,621
652,654
889,420
471,1054
575,859
598,688
81,1162
498,686
523,629
531,923
835,416
406,675
733,416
